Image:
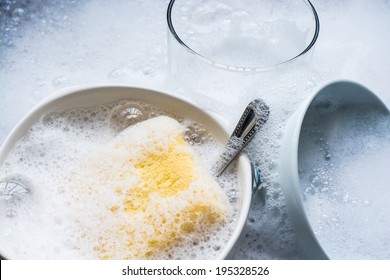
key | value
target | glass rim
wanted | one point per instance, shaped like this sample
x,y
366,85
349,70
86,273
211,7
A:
x,y
237,68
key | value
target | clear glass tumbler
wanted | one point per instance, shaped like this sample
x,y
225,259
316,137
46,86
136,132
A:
x,y
217,48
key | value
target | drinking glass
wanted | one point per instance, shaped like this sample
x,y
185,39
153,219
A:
x,y
218,48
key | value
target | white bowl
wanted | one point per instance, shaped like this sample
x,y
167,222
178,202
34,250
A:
x,y
347,94
89,96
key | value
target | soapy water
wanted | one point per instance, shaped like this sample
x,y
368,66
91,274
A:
x,y
14,190
57,220
233,41
65,43
343,166
17,13
244,34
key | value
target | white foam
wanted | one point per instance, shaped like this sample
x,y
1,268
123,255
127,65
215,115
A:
x,y
69,158
246,34
47,49
344,179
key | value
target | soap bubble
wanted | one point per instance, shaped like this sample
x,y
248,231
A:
x,y
127,113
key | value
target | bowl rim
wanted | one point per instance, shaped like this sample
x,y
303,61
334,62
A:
x,y
59,96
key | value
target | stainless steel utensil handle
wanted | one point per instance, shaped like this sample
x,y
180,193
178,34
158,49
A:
x,y
254,116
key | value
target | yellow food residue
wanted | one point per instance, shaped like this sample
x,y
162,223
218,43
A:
x,y
151,193
163,172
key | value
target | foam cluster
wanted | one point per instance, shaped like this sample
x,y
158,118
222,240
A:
x,y
94,193
344,179
149,185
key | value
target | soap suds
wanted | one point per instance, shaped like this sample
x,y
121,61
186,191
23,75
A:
x,y
98,194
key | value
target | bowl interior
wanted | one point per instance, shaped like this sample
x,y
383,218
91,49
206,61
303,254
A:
x,y
330,131
101,95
